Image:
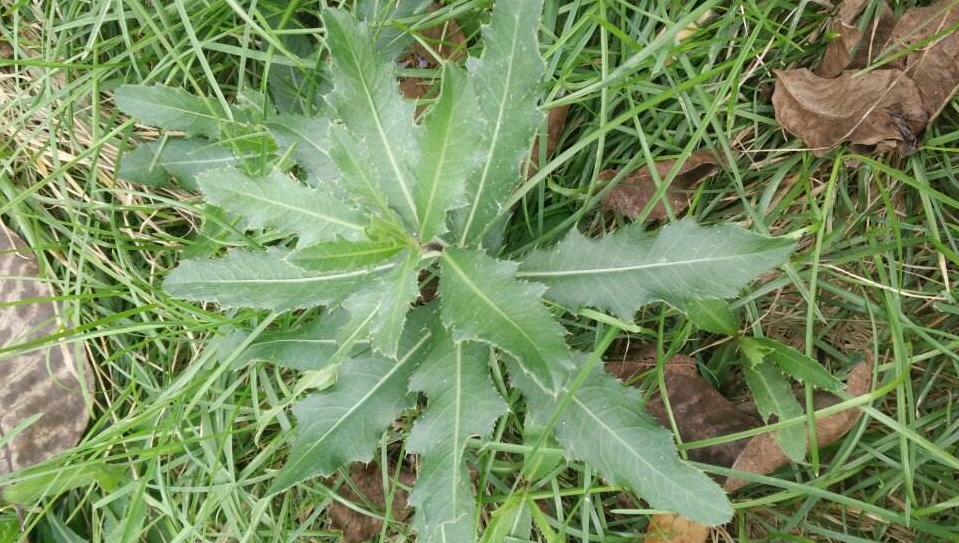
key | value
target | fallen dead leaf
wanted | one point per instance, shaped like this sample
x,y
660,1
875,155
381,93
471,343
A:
x,y
876,110
368,480
447,40
886,108
762,455
672,528
701,412
44,381
631,195
555,123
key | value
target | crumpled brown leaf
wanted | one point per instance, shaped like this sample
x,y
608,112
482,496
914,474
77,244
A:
x,y
701,412
632,194
762,455
368,480
46,380
886,108
446,39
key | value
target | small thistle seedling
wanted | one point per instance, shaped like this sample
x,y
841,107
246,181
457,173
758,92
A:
x,y
378,197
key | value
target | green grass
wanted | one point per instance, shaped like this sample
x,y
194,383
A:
x,y
193,441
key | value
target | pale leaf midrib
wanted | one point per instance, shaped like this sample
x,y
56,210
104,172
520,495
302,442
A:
x,y
495,141
632,450
362,401
290,207
635,267
400,177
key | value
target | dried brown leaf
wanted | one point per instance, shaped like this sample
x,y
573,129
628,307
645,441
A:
x,y
934,67
878,109
701,412
631,195
763,455
672,528
887,108
447,40
45,380
555,123
368,481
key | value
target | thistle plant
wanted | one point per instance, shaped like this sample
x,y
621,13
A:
x,y
366,202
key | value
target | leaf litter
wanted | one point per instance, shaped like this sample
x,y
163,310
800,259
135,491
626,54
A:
x,y
633,193
887,108
365,489
701,413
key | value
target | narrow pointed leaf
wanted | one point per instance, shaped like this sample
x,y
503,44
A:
x,y
482,301
343,424
506,82
462,403
606,427
773,396
391,39
368,101
262,281
280,202
344,254
311,138
155,163
713,315
449,152
388,300
798,365
622,271
307,347
352,158
297,90
168,108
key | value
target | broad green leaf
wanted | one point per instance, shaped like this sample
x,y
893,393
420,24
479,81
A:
x,y
754,353
367,99
344,423
154,163
462,403
623,271
605,426
482,301
506,82
311,138
798,365
308,347
297,90
279,201
262,281
388,301
510,522
542,462
773,396
345,255
168,108
391,39
356,177
713,315
450,132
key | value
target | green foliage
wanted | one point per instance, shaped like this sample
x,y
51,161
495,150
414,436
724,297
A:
x,y
381,201
773,396
606,427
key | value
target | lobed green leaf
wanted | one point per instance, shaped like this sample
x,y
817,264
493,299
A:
x,y
280,202
625,270
482,301
169,108
462,403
